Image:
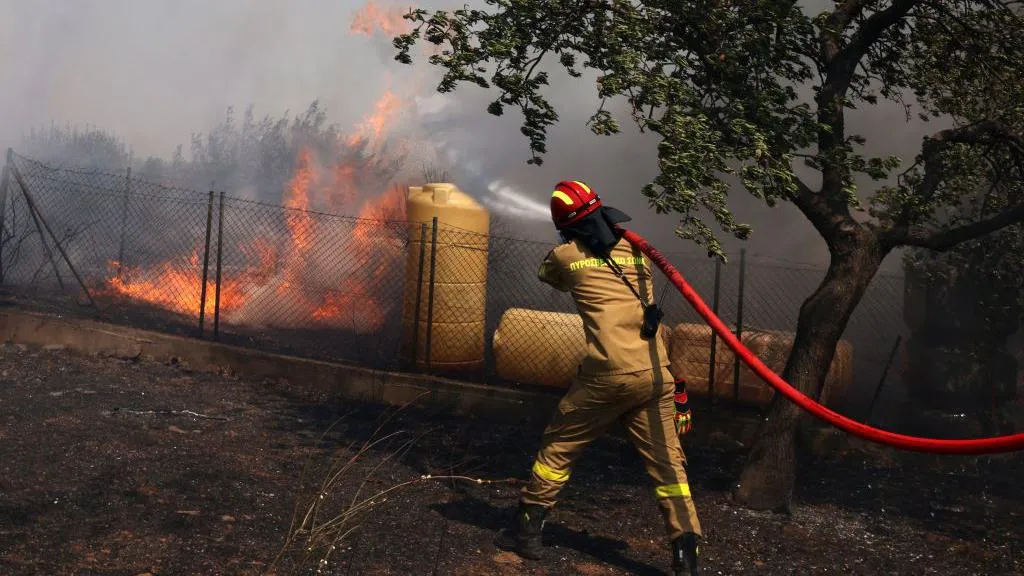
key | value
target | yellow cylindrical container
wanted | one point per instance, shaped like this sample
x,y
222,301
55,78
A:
x,y
690,353
450,312
537,347
544,348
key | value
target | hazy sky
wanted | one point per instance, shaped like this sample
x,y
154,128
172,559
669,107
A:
x,y
155,71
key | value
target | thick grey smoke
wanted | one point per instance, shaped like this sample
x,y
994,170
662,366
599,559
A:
x,y
155,72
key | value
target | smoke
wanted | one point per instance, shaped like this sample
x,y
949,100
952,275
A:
x,y
497,195
516,202
156,72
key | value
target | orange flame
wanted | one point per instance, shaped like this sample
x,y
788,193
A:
x,y
384,114
289,281
175,288
372,17
375,256
300,222
343,191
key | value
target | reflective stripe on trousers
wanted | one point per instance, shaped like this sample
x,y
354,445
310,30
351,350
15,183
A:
x,y
550,474
672,490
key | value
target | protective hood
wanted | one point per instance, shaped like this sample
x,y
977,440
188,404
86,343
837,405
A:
x,y
597,230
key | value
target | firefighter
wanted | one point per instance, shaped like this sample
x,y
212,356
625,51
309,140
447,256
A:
x,y
623,378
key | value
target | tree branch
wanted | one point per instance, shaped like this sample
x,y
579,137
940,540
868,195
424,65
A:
x,y
612,7
815,207
843,63
941,240
840,68
931,155
986,132
840,18
835,26
873,28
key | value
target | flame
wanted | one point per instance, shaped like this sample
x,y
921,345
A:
x,y
384,114
372,17
266,258
373,232
297,276
376,252
175,288
299,220
343,190
387,207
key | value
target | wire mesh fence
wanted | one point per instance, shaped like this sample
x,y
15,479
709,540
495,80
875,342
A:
x,y
386,294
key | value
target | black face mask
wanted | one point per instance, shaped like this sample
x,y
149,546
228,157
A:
x,y
597,230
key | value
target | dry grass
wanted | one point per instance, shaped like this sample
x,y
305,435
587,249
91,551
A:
x,y
323,521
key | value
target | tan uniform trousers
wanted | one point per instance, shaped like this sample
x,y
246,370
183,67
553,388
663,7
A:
x,y
644,404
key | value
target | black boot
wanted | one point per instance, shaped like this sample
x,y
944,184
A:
x,y
523,537
684,554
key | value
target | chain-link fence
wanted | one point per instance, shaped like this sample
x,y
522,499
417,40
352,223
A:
x,y
384,294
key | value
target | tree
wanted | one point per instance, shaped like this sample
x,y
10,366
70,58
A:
x,y
89,148
747,89
262,153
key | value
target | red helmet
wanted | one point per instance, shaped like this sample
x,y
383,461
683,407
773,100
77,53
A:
x,y
571,201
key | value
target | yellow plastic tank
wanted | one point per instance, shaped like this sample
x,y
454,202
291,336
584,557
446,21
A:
x,y
544,348
539,347
457,323
690,353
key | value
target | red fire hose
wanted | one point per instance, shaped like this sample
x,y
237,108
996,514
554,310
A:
x,y
975,446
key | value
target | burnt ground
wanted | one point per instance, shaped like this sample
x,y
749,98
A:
x,y
94,484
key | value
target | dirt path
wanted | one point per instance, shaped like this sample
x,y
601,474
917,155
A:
x,y
90,483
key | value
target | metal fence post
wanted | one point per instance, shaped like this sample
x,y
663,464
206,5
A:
x,y
37,215
124,219
4,176
419,296
714,337
430,289
206,264
220,253
739,324
881,380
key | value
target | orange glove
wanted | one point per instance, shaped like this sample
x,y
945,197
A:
x,y
683,417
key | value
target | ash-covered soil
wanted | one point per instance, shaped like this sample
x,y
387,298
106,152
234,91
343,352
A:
x,y
104,474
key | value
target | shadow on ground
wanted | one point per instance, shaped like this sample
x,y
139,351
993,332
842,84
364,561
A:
x,y
492,519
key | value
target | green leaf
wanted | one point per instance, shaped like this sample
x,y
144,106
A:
x,y
742,90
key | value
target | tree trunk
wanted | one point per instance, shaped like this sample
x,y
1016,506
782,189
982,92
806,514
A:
x,y
768,478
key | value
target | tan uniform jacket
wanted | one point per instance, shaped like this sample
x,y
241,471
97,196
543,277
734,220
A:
x,y
612,314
